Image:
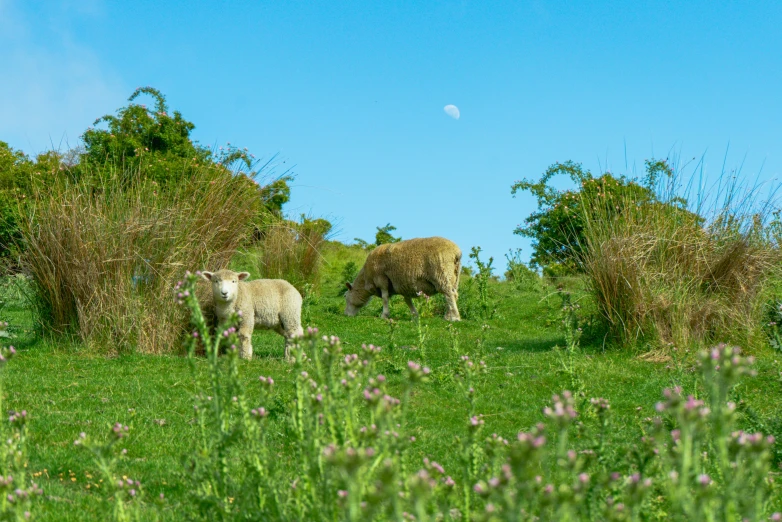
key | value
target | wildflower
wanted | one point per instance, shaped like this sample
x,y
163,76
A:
x,y
600,404
562,412
481,488
119,430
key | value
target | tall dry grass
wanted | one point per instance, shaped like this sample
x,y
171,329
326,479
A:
x,y
104,258
292,251
660,271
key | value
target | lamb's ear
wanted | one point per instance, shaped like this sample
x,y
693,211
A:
x,y
243,275
350,287
207,275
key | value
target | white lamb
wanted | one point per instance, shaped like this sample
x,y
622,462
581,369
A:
x,y
271,304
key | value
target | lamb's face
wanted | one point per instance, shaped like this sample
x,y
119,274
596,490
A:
x,y
225,284
352,302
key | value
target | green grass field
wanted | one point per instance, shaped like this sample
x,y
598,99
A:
x,y
67,389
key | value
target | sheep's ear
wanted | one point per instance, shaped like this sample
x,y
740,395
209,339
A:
x,y
207,275
243,275
350,287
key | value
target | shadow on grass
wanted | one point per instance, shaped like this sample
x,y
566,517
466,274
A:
x,y
533,345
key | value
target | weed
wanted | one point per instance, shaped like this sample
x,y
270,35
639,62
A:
x,y
482,278
17,491
521,275
123,492
392,327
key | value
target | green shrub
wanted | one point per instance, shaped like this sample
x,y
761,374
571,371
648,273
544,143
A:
x,y
557,227
349,273
382,237
19,176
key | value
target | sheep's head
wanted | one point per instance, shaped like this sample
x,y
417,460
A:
x,y
354,299
225,284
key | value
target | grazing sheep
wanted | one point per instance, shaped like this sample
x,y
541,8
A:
x,y
429,265
272,304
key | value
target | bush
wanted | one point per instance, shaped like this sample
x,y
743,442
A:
x,y
349,272
103,257
19,175
557,227
655,271
382,237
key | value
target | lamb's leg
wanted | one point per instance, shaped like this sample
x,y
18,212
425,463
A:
x,y
411,306
290,332
245,337
386,310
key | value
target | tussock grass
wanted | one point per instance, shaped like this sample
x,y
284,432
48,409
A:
x,y
662,271
291,251
104,256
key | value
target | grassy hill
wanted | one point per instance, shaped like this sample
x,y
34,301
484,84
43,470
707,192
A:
x,y
66,389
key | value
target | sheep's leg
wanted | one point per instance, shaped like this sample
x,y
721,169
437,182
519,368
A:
x,y
288,356
386,310
411,306
452,313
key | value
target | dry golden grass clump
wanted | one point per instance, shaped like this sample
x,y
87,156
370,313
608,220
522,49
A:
x,y
104,258
660,271
292,251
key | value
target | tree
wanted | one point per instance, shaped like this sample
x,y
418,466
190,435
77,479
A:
x,y
557,226
154,145
138,144
384,236
18,176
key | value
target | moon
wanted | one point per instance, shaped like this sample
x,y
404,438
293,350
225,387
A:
x,y
452,111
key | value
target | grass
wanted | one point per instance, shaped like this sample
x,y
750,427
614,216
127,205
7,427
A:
x,y
68,389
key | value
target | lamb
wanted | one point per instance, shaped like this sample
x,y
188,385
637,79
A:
x,y
427,265
271,304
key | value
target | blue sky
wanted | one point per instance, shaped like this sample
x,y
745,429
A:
x,y
352,93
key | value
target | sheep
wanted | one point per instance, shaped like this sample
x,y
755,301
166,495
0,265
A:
x,y
408,268
272,304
